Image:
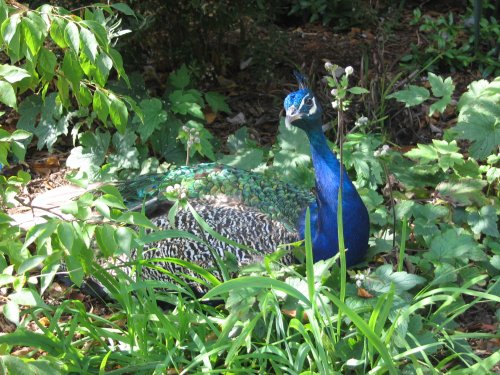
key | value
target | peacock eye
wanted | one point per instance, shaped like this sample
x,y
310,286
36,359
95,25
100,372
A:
x,y
308,101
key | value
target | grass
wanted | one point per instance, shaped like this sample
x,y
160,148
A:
x,y
278,322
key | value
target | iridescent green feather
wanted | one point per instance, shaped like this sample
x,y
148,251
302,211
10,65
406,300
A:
x,y
282,201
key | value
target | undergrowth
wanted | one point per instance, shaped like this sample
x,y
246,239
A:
x,y
434,253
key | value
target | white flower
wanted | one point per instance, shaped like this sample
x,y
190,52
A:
x,y
382,151
349,70
334,92
359,283
335,104
362,121
328,66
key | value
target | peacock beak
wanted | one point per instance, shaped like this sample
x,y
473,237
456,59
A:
x,y
292,115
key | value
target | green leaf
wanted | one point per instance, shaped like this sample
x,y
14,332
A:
x,y
91,154
154,117
57,28
33,32
126,155
31,263
136,218
452,245
440,105
9,27
100,104
47,63
27,297
479,122
72,69
104,65
180,78
463,192
104,236
381,280
13,74
413,95
439,87
246,159
52,124
484,221
29,109
7,94
11,311
72,37
185,103
89,44
124,8
358,90
118,113
99,32
217,102
118,64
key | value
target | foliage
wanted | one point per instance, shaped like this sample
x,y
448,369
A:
x,y
343,14
274,318
451,43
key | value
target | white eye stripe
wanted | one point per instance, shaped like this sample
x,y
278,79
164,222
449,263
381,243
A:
x,y
303,103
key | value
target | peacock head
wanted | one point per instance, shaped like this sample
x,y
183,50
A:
x,y
303,108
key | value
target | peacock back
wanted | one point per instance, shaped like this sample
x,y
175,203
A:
x,y
280,201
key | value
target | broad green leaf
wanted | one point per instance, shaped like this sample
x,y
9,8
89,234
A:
x,y
31,263
72,37
440,105
9,27
217,102
485,221
441,88
463,192
100,104
382,278
91,154
84,96
47,63
52,123
185,103
13,74
118,113
247,159
72,69
104,65
104,236
27,297
99,32
7,94
479,122
413,95
124,8
118,64
11,311
33,32
154,117
57,28
136,218
126,155
180,78
358,90
451,246
89,43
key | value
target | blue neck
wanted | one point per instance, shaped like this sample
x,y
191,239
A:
x,y
324,210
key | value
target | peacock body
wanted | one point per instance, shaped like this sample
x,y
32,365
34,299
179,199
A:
x,y
253,210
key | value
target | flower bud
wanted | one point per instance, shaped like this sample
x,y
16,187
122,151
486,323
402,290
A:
x,y
349,70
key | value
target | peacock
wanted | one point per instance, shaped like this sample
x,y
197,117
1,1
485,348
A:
x,y
249,208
